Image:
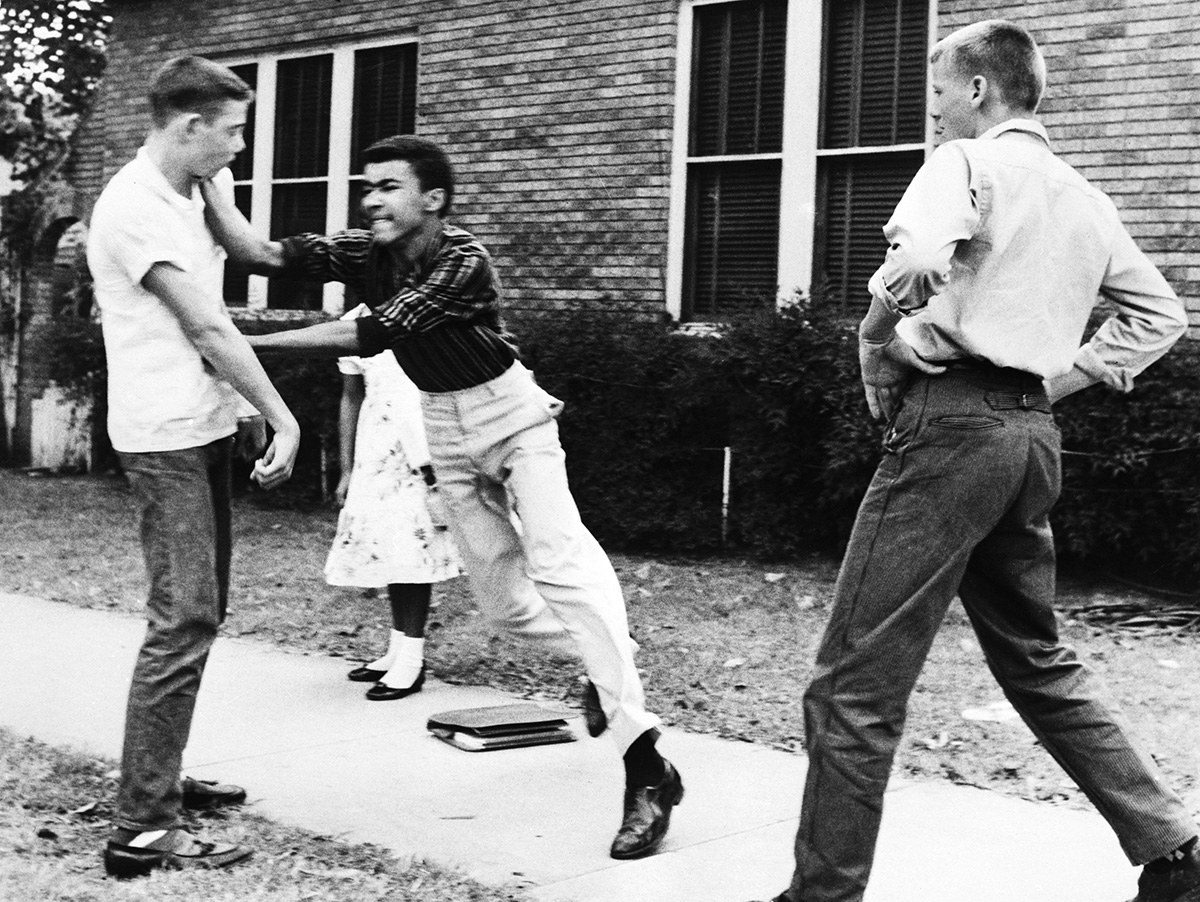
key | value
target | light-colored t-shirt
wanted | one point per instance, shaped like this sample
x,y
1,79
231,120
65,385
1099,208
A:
x,y
162,395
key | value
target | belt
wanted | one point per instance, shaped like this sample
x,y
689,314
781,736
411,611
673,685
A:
x,y
1005,388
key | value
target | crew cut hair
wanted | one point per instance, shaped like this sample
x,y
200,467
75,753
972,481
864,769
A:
x,y
1004,53
193,84
428,161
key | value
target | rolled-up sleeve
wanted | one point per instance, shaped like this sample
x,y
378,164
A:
x,y
1150,318
937,211
340,257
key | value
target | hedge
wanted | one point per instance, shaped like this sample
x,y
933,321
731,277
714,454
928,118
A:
x,y
650,410
783,392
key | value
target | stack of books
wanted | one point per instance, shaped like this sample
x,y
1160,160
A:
x,y
501,727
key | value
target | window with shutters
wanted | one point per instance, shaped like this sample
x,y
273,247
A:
x,y
734,158
872,134
312,117
798,125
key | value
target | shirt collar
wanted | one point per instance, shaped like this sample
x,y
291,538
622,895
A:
x,y
152,177
1029,126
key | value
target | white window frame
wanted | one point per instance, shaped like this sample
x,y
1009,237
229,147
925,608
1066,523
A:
x,y
339,172
799,154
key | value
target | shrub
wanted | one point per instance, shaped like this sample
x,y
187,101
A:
x,y
649,412
311,388
645,406
1131,474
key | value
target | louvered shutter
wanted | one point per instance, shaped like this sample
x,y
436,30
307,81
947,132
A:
x,y
858,196
237,278
733,242
732,233
385,104
302,99
873,95
385,95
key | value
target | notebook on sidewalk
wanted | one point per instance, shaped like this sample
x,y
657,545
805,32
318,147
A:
x,y
501,727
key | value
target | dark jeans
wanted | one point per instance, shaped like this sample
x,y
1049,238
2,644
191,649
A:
x,y
183,497
958,505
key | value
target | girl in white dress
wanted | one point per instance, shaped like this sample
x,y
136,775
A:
x,y
391,531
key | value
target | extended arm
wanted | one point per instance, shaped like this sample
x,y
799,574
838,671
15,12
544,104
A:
x,y
235,234
227,351
335,338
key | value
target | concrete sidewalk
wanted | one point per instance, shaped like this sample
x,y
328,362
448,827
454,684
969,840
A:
x,y
313,753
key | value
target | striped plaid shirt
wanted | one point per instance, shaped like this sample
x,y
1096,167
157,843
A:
x,y
441,318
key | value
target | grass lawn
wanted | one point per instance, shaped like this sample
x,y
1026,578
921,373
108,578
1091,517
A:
x,y
726,645
54,810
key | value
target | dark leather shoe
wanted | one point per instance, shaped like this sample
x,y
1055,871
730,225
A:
x,y
381,692
365,675
174,849
1180,882
204,794
647,815
594,717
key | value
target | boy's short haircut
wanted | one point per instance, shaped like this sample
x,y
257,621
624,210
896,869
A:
x,y
428,161
193,84
1005,53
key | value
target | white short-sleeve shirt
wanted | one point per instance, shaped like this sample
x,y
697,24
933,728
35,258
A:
x,y
162,395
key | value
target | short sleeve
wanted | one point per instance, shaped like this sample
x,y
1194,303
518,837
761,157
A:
x,y
137,239
352,365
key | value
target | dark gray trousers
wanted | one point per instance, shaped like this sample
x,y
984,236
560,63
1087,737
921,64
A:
x,y
183,498
958,505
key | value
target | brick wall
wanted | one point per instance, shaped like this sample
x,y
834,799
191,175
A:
x,y
557,114
1123,106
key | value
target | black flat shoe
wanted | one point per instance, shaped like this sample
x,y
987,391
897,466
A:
x,y
173,850
594,717
201,795
365,675
381,692
647,815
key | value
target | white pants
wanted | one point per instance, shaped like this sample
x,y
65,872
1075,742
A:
x,y
496,452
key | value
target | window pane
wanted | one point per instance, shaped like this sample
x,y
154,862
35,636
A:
x,y
732,238
302,98
237,277
243,163
875,63
385,95
355,217
737,90
858,195
295,209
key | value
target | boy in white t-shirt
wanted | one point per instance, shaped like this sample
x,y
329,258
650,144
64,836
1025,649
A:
x,y
176,366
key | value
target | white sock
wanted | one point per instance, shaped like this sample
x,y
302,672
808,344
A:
x,y
389,656
407,666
